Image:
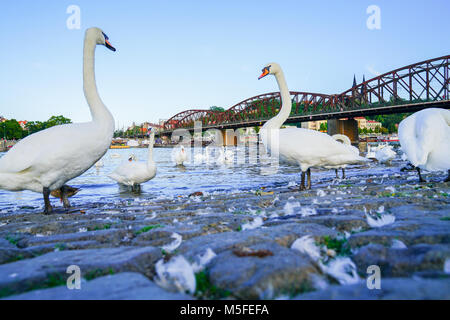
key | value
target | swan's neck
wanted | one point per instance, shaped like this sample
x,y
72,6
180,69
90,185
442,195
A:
x,y
150,150
286,104
100,114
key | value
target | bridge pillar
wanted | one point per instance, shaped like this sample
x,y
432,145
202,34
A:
x,y
229,137
349,127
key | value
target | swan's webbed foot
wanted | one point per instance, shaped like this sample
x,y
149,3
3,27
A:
x,y
448,177
420,175
48,207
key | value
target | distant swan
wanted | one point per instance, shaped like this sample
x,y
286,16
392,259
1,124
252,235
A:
x,y
133,173
180,155
307,148
425,139
45,161
385,154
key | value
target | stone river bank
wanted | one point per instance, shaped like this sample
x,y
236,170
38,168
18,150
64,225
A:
x,y
239,245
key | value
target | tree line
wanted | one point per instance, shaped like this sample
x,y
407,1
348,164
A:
x,y
12,130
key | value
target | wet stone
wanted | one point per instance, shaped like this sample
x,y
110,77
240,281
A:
x,y
121,286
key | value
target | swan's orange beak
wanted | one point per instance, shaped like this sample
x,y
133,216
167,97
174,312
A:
x,y
109,45
265,72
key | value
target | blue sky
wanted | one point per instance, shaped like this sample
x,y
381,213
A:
x,y
177,55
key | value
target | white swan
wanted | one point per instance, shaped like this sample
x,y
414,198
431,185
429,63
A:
x,y
180,155
133,173
307,148
425,139
385,154
46,160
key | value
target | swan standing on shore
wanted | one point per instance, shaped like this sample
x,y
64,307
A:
x,y
133,173
180,155
425,139
46,160
385,154
307,148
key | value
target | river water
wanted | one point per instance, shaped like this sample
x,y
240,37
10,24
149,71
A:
x,y
172,181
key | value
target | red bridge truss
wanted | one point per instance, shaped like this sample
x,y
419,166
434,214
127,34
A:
x,y
408,89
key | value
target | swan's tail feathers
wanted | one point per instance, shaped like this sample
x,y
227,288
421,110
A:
x,y
342,138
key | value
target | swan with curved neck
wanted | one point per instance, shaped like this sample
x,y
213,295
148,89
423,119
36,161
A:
x,y
425,139
45,161
306,148
133,173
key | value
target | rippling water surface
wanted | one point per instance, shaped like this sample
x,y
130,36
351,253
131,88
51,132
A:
x,y
171,180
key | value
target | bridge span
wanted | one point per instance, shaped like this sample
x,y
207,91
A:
x,y
411,88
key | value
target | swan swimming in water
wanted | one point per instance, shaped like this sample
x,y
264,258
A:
x,y
425,139
133,173
307,148
180,155
46,160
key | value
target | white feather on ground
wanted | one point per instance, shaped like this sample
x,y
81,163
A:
x,y
342,269
177,274
383,220
256,223
304,211
174,244
307,245
203,260
397,244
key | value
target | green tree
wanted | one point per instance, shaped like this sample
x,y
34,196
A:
x,y
215,108
323,126
11,129
56,121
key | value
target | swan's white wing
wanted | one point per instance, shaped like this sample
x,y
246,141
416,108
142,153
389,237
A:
x,y
53,148
312,148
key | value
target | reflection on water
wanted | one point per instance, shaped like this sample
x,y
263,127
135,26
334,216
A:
x,y
172,180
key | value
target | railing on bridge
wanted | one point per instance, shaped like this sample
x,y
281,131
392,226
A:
x,y
426,81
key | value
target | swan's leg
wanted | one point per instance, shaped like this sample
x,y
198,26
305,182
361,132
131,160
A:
x,y
343,173
48,207
309,178
420,175
302,184
448,177
337,175
65,197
